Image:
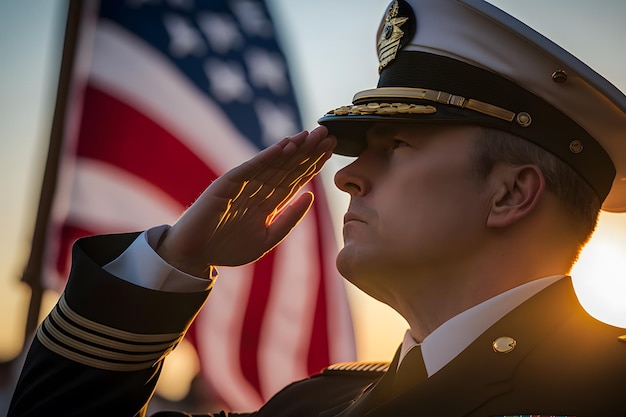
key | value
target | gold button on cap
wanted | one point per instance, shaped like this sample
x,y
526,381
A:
x,y
504,344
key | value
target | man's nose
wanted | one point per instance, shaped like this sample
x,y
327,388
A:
x,y
353,178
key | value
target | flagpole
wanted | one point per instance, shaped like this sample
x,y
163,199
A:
x,y
33,271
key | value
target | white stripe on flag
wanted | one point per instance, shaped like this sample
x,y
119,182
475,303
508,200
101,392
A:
x,y
107,198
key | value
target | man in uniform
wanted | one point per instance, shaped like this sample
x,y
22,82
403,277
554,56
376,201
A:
x,y
483,158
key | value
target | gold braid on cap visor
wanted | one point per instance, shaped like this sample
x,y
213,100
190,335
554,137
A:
x,y
405,93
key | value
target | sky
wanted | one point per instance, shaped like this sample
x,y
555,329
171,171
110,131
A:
x,y
330,47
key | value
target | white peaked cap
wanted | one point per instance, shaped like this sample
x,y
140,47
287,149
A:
x,y
466,61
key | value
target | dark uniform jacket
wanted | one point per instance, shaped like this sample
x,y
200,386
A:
x,y
100,351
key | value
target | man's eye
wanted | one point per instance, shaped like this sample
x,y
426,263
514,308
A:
x,y
398,144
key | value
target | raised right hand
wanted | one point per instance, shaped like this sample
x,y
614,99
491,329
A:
x,y
247,211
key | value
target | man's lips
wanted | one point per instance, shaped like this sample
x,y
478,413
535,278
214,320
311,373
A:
x,y
350,216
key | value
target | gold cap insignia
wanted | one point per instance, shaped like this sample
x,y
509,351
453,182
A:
x,y
390,36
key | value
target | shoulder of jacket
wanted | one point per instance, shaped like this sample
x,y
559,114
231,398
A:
x,y
361,368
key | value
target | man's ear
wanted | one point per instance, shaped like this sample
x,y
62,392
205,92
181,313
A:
x,y
518,190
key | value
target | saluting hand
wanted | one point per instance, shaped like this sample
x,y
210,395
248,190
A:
x,y
247,211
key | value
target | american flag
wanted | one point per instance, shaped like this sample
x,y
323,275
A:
x,y
165,96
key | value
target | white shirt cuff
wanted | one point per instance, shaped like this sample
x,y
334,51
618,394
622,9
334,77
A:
x,y
139,264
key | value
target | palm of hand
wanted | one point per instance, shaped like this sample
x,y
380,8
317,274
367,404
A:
x,y
247,211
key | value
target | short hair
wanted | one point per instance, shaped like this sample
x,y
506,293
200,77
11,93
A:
x,y
581,203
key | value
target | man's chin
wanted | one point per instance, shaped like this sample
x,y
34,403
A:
x,y
342,266
347,261
352,266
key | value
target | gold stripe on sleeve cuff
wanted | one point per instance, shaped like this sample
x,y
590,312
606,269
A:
x,y
81,340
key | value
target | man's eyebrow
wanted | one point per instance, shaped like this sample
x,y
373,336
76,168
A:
x,y
382,129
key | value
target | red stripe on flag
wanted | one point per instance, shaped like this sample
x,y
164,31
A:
x,y
253,319
113,132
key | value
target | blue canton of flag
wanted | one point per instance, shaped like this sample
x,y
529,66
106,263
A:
x,y
228,50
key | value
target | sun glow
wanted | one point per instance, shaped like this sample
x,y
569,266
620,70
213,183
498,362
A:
x,y
600,274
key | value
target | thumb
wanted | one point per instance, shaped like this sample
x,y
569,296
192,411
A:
x,y
283,222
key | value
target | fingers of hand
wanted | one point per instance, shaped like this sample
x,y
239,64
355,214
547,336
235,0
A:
x,y
276,192
267,158
293,184
284,155
274,178
255,192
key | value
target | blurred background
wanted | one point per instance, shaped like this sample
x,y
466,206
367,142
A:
x,y
329,46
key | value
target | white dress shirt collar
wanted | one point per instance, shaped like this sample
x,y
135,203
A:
x,y
453,336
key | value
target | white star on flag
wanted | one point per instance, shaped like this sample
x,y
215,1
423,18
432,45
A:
x,y
266,70
252,18
277,121
227,81
221,32
184,38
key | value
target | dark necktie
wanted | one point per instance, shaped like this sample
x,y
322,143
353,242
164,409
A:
x,y
411,371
